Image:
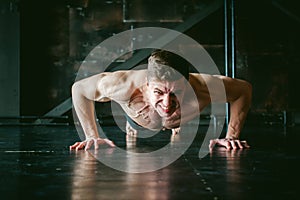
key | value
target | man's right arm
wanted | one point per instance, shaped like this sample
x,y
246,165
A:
x,y
84,93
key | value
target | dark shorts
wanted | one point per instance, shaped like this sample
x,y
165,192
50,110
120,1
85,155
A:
x,y
142,131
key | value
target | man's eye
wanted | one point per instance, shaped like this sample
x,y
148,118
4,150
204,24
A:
x,y
157,92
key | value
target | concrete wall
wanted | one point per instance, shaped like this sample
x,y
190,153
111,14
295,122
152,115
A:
x,y
9,59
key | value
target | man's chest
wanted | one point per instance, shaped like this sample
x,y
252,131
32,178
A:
x,y
145,115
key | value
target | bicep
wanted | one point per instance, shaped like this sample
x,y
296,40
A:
x,y
216,88
224,89
91,88
108,86
117,86
235,88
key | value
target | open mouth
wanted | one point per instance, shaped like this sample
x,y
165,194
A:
x,y
167,110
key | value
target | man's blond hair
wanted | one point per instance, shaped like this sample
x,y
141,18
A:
x,y
167,66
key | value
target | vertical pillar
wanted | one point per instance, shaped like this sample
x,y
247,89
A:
x,y
9,59
229,43
232,35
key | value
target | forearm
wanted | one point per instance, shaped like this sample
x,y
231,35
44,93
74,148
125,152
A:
x,y
236,122
238,113
85,111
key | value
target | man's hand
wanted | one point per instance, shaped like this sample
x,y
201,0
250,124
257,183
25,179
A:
x,y
130,131
88,143
229,143
175,131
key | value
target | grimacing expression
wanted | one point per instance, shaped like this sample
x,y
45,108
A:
x,y
165,96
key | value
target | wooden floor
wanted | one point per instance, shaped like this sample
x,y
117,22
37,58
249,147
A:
x,y
37,164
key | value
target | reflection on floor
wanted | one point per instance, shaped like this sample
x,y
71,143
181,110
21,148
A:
x,y
37,164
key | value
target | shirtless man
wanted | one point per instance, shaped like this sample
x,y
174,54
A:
x,y
155,99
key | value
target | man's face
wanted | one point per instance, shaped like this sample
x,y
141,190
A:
x,y
166,96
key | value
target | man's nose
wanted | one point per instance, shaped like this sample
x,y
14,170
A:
x,y
166,100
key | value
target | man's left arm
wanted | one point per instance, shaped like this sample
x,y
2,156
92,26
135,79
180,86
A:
x,y
239,95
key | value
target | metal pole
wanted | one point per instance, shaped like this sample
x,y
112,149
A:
x,y
226,51
232,16
226,38
229,45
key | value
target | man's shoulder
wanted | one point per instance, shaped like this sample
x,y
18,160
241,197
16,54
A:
x,y
204,78
196,78
124,74
120,85
121,76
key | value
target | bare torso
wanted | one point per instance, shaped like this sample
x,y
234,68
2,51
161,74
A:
x,y
138,108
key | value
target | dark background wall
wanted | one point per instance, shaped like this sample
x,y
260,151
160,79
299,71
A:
x,y
9,60
56,35
46,75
